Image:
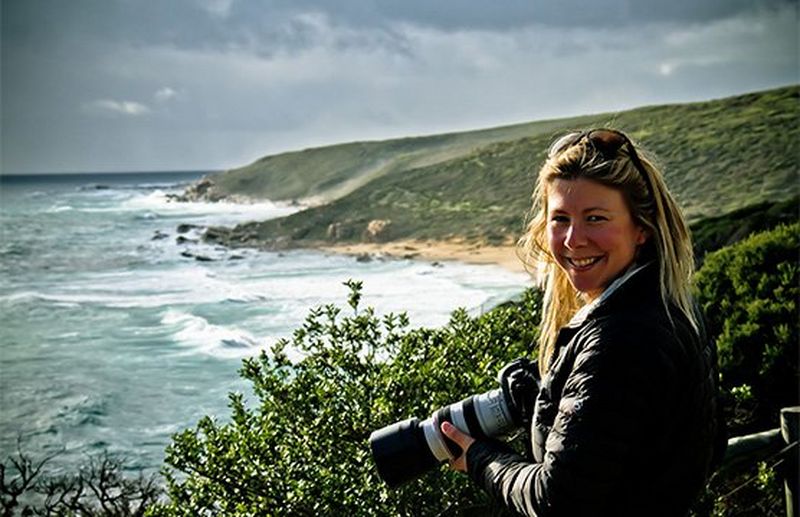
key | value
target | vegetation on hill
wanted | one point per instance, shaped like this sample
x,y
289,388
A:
x,y
717,157
327,173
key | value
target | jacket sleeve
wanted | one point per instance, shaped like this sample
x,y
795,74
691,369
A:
x,y
598,435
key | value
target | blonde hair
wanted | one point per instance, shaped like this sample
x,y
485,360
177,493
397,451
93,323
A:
x,y
652,207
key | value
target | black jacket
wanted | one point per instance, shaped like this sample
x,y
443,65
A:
x,y
624,421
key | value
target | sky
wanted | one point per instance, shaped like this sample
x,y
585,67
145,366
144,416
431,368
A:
x,y
140,85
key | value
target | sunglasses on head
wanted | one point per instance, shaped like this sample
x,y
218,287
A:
x,y
607,142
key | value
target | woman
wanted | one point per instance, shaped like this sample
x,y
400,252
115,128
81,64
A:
x,y
624,422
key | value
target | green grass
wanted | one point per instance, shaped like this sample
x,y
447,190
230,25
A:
x,y
332,172
717,156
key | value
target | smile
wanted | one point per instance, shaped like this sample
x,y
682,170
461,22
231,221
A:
x,y
583,263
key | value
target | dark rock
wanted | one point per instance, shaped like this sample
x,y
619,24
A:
x,y
217,234
200,258
183,240
184,228
159,235
364,257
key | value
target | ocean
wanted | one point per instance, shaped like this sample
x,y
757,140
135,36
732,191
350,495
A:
x,y
114,336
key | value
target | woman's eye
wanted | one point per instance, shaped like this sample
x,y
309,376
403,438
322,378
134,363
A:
x,y
559,219
595,218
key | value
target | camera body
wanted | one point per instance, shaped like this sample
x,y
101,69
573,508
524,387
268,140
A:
x,y
405,450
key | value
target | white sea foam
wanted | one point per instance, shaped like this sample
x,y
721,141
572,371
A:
x,y
226,212
287,287
199,335
150,204
56,209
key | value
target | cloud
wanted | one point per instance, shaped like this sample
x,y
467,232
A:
x,y
164,94
262,77
127,108
221,8
764,39
666,68
267,24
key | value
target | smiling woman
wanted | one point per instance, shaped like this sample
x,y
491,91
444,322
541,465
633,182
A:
x,y
591,233
625,421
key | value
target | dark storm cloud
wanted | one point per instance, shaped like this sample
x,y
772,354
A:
x,y
148,84
273,24
479,14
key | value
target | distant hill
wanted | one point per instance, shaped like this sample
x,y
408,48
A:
x,y
323,174
717,156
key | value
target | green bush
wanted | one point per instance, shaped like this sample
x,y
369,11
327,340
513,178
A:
x,y
749,293
302,447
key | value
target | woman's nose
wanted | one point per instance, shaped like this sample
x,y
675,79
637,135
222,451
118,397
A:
x,y
576,236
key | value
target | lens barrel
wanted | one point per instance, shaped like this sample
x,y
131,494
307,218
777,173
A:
x,y
405,450
401,452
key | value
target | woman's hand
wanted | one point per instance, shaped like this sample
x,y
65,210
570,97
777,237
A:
x,y
463,440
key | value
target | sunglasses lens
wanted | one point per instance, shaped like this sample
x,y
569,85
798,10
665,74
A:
x,y
563,143
607,141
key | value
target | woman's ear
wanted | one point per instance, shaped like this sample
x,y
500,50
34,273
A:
x,y
642,235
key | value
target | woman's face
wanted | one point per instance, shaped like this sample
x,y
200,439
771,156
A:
x,y
591,233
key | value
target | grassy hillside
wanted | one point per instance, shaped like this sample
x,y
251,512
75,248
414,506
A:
x,y
328,173
717,156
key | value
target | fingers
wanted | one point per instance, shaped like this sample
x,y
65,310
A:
x,y
461,439
455,434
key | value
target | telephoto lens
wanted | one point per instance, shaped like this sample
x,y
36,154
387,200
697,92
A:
x,y
405,450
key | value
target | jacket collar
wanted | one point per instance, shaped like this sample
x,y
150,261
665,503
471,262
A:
x,y
633,279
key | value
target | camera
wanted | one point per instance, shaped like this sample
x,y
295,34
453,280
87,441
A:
x,y
405,450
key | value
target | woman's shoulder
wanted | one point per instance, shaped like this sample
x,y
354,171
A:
x,y
631,325
644,338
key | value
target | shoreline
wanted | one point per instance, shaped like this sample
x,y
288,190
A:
x,y
445,251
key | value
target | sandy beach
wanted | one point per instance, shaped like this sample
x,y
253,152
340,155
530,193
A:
x,y
470,253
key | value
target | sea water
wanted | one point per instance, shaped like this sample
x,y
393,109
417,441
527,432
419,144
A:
x,y
114,336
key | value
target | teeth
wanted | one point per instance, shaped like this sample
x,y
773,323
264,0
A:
x,y
583,262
